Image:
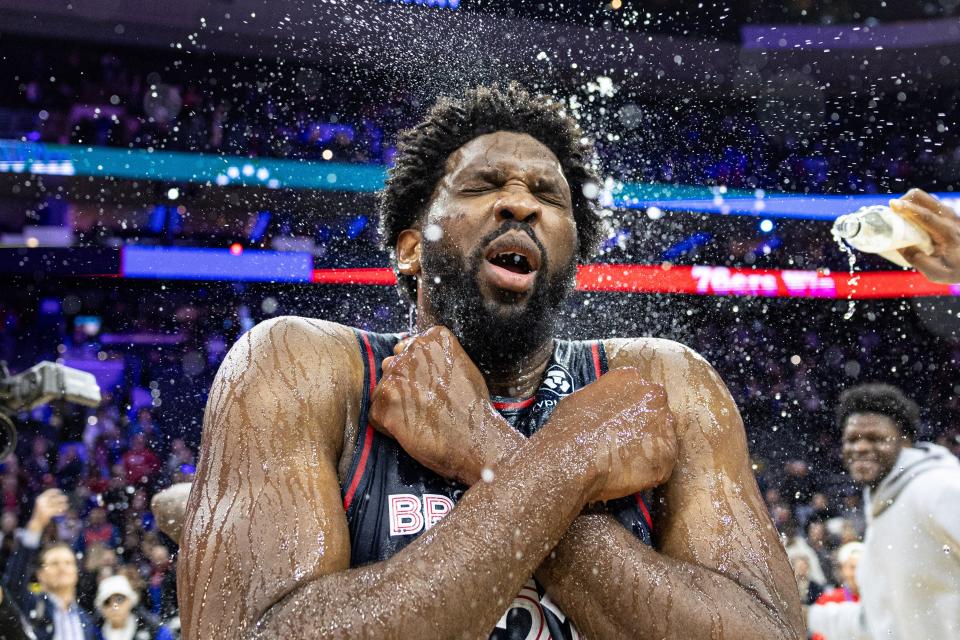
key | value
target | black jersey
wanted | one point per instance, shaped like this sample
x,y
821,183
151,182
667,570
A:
x,y
390,498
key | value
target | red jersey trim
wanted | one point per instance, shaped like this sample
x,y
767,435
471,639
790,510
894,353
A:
x,y
643,509
368,434
595,349
520,404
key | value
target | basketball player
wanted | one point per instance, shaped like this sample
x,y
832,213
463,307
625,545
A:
x,y
480,479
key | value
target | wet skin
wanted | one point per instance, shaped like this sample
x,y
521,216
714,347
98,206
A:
x,y
265,547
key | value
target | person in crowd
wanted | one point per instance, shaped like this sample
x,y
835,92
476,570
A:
x,y
848,556
817,509
99,562
8,527
826,616
122,618
809,589
909,571
819,540
98,530
12,624
180,455
797,545
53,612
37,467
140,462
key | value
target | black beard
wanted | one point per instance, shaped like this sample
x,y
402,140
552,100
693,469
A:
x,y
496,334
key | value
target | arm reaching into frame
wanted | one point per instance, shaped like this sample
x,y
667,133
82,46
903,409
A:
x,y
943,225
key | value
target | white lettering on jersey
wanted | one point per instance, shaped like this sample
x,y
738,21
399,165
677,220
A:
x,y
405,515
434,508
410,514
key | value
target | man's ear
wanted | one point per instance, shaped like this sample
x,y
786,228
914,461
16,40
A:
x,y
408,252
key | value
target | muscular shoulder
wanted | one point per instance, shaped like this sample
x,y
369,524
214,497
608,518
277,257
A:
x,y
288,346
291,367
657,359
694,388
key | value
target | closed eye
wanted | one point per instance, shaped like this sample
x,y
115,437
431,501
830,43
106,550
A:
x,y
552,198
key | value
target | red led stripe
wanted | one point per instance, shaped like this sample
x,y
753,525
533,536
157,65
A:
x,y
712,280
360,275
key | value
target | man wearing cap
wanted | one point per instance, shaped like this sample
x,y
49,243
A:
x,y
116,601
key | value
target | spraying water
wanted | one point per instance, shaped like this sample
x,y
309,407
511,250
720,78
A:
x,y
851,263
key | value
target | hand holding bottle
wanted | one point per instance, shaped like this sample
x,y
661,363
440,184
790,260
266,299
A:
x,y
942,224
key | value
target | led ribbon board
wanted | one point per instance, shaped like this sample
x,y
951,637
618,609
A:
x,y
174,166
250,265
713,280
177,166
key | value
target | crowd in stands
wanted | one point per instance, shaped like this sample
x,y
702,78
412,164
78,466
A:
x,y
150,100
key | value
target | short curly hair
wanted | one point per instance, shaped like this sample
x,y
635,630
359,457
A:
x,y
422,154
883,399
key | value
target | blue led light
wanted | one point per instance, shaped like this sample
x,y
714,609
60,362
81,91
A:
x,y
185,263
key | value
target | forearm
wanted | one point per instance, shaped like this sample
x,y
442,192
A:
x,y
459,577
645,594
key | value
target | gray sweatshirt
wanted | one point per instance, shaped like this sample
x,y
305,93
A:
x,y
909,573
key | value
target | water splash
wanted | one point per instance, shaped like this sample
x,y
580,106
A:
x,y
854,279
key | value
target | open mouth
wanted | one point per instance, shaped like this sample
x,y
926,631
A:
x,y
514,262
515,252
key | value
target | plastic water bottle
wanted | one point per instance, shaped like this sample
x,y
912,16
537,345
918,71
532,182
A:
x,y
877,229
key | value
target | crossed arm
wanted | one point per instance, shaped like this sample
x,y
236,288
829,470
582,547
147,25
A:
x,y
267,506
717,569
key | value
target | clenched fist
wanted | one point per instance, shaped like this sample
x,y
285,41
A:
x,y
624,429
433,400
49,504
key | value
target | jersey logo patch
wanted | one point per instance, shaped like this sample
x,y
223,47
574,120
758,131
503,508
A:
x,y
558,380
